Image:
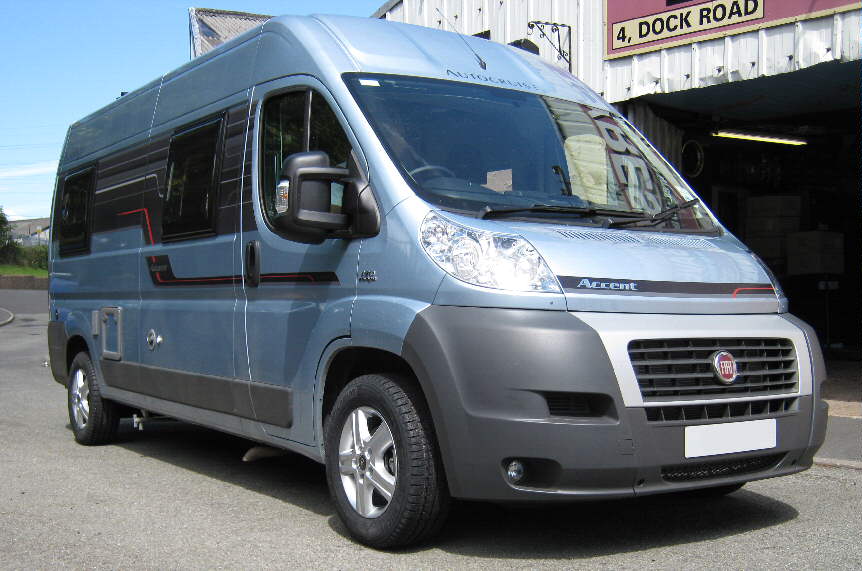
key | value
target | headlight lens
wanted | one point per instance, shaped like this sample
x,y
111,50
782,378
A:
x,y
486,259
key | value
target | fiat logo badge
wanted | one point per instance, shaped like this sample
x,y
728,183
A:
x,y
724,366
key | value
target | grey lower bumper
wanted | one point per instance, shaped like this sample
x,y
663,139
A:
x,y
492,376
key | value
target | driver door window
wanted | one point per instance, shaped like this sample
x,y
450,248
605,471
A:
x,y
294,122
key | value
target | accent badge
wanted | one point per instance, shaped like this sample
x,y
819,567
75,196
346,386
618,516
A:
x,y
724,366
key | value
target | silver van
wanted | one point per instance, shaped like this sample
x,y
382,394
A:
x,y
439,265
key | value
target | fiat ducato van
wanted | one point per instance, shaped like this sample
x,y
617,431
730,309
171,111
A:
x,y
440,266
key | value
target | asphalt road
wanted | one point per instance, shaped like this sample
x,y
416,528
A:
x,y
179,496
23,301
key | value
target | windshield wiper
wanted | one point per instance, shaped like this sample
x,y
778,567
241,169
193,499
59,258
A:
x,y
656,218
584,211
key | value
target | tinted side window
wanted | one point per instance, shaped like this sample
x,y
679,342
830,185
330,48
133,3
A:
x,y
190,198
292,123
283,135
74,213
326,133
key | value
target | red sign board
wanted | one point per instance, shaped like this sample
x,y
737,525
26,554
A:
x,y
647,25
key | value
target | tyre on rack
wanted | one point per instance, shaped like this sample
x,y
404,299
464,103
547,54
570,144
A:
x,y
94,419
382,464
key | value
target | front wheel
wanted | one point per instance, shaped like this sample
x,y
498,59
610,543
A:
x,y
94,419
382,465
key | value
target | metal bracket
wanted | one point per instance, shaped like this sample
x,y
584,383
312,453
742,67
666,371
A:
x,y
554,28
138,420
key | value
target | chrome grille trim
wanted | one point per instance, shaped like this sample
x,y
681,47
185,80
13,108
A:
x,y
681,369
712,401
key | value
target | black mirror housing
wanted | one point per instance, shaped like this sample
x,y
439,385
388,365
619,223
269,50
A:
x,y
309,177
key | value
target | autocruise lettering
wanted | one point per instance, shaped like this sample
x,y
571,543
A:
x,y
490,79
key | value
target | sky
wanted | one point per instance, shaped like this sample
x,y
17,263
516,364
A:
x,y
64,59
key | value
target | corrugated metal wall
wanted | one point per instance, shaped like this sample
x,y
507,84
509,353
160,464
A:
x,y
507,22
759,53
765,52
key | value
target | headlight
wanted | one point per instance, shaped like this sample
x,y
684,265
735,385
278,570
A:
x,y
486,259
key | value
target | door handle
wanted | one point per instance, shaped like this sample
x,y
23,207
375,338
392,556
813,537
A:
x,y
252,264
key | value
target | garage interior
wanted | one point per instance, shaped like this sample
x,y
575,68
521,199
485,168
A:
x,y
794,200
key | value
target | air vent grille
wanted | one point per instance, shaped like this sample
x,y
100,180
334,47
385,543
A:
x,y
645,239
710,470
737,410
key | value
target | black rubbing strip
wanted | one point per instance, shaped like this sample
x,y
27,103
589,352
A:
x,y
301,278
162,274
579,284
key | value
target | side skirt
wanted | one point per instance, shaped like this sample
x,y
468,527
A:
x,y
273,404
231,424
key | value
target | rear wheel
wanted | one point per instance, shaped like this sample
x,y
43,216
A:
x,y
382,465
94,419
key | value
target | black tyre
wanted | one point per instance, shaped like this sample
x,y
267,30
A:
x,y
94,419
382,465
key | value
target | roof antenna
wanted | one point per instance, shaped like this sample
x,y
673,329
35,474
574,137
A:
x,y
482,63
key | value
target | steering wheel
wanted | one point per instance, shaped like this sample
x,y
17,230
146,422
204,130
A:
x,y
429,168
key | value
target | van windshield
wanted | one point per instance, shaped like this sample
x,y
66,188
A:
x,y
473,148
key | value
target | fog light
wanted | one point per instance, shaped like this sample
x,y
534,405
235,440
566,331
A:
x,y
515,471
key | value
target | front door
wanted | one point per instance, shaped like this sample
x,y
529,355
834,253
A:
x,y
301,296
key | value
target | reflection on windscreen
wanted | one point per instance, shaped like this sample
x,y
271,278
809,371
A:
x,y
468,146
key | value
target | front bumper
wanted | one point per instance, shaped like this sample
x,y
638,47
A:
x,y
493,376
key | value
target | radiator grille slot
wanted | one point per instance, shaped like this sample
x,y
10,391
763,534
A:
x,y
681,369
735,410
710,470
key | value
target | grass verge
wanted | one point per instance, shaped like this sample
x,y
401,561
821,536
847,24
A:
x,y
7,270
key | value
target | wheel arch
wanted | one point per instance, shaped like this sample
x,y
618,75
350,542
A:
x,y
76,344
344,363
350,362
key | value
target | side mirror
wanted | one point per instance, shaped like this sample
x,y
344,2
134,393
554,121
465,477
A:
x,y
307,180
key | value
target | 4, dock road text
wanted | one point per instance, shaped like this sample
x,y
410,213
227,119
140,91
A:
x,y
705,16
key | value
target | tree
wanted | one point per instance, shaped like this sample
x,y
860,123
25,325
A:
x,y
8,247
5,229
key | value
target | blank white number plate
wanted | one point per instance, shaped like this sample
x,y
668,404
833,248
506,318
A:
x,y
712,439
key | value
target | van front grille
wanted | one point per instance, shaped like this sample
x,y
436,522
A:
x,y
722,469
739,410
681,369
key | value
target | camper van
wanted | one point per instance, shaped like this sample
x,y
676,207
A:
x,y
439,265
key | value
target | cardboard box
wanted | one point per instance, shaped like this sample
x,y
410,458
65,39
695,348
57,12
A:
x,y
771,225
817,252
772,206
